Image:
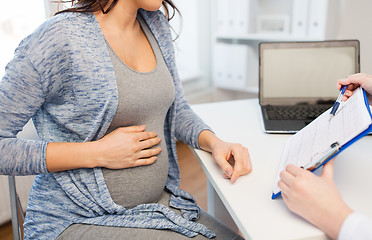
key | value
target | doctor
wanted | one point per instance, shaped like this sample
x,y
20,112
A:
x,y
316,198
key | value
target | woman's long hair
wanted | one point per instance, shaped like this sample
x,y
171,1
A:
x,y
100,5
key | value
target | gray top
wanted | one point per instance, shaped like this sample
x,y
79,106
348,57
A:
x,y
144,98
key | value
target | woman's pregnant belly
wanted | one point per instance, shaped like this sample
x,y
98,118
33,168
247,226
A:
x,y
130,187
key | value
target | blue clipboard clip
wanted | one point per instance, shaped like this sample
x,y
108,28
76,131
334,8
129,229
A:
x,y
326,155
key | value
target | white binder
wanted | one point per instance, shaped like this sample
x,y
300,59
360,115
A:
x,y
230,66
317,18
300,18
222,17
239,66
241,15
220,65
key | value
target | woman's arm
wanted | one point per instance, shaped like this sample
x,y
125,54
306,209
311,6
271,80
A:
x,y
123,148
21,95
222,152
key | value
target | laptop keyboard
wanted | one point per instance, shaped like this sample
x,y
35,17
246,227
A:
x,y
297,112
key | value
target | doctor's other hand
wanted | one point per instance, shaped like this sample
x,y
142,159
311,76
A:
x,y
354,81
314,198
233,159
127,147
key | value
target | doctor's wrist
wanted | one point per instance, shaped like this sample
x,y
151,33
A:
x,y
334,220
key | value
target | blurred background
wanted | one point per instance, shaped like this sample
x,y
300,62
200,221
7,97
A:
x,y
216,43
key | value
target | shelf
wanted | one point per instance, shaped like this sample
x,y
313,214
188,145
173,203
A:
x,y
249,89
241,25
267,37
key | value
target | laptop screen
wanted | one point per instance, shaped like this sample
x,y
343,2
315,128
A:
x,y
293,72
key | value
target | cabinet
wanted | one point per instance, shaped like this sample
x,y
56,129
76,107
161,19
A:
x,y
240,25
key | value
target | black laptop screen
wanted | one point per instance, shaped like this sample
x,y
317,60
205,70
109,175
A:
x,y
305,71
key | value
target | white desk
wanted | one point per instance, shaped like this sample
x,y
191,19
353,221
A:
x,y
248,201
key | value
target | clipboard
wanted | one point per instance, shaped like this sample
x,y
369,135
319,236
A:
x,y
357,110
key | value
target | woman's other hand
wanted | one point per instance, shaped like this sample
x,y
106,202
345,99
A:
x,y
314,198
127,147
233,158
354,81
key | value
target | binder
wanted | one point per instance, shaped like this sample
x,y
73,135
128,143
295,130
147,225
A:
x,y
323,139
241,16
220,66
300,17
239,66
232,19
317,18
223,17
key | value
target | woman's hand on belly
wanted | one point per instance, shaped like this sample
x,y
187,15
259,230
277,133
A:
x,y
127,147
123,148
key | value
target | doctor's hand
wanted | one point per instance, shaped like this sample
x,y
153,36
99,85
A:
x,y
314,198
233,158
354,81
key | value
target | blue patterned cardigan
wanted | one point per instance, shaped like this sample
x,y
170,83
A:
x,y
62,77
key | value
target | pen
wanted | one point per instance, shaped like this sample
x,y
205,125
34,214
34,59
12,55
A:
x,y
338,101
326,155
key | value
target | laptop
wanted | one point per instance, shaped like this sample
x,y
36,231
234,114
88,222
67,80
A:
x,y
298,80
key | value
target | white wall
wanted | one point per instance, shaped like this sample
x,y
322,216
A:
x,y
193,45
17,20
187,46
355,21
